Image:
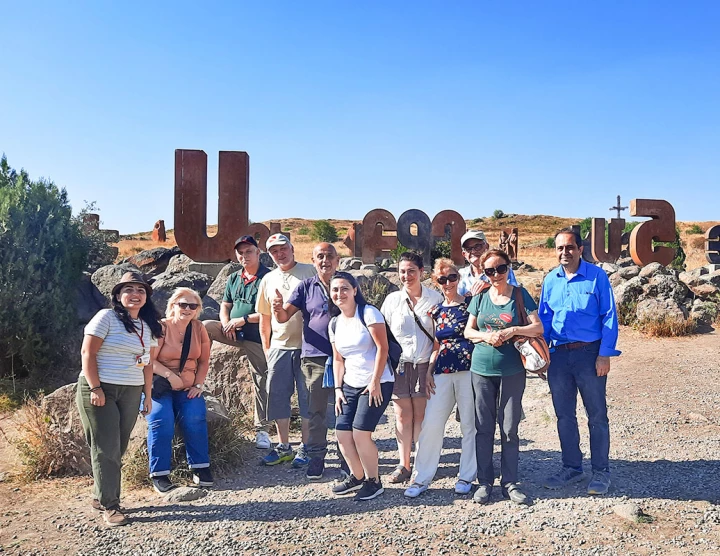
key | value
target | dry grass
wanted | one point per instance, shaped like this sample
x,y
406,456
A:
x,y
45,451
666,326
229,449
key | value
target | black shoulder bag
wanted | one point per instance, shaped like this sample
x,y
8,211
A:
x,y
161,385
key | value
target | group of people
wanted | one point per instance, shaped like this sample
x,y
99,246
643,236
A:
x,y
307,329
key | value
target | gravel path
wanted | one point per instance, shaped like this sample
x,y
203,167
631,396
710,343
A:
x,y
665,450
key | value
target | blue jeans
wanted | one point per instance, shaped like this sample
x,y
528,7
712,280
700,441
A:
x,y
190,416
572,371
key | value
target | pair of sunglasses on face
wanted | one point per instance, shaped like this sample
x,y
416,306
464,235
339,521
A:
x,y
442,280
191,306
501,269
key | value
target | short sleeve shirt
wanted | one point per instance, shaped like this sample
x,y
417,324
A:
x,y
312,299
286,335
117,356
455,351
416,346
353,341
504,360
242,292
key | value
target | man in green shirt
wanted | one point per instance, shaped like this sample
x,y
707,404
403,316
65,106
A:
x,y
239,326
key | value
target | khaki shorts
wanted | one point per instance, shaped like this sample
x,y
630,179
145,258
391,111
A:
x,y
412,383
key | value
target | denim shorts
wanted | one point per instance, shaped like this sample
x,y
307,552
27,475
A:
x,y
357,414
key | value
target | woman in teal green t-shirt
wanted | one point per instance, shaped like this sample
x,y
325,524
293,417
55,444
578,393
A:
x,y
498,375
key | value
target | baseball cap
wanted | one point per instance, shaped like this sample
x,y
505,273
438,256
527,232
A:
x,y
472,234
276,239
246,239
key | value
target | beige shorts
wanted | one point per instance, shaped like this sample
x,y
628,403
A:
x,y
412,383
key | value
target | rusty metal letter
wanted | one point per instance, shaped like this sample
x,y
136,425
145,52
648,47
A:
x,y
597,239
191,203
421,242
374,243
712,245
353,240
660,228
449,225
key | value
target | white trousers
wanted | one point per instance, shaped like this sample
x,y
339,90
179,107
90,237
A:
x,y
449,389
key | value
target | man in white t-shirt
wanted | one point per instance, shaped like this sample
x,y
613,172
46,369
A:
x,y
282,344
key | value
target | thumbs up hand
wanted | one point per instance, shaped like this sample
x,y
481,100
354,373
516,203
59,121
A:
x,y
277,301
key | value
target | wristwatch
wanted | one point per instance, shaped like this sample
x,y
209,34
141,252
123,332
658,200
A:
x,y
199,386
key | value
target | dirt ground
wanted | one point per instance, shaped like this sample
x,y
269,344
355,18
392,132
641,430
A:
x,y
663,397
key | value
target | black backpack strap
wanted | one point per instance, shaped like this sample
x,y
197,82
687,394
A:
x,y
186,347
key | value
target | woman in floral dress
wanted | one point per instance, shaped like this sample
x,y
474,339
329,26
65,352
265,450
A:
x,y
448,383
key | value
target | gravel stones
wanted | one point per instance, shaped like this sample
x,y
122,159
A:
x,y
185,494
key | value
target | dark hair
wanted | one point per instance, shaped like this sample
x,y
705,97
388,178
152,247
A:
x,y
413,258
495,253
570,232
333,309
148,313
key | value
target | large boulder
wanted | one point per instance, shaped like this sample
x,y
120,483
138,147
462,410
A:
x,y
154,261
106,277
179,264
657,308
349,263
609,268
627,272
217,288
651,270
690,279
616,279
628,291
704,311
89,300
229,379
713,278
165,284
374,286
666,286
267,260
706,290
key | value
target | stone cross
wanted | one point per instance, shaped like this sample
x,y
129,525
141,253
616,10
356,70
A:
x,y
618,208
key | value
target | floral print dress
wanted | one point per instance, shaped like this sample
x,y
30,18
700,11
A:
x,y
455,352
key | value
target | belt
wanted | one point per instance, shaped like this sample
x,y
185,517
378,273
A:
x,y
575,345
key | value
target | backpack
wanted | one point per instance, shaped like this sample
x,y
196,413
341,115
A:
x,y
394,348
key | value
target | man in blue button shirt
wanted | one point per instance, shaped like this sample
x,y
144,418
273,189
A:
x,y
577,309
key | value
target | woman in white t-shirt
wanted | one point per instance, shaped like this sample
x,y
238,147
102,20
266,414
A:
x,y
363,383
117,355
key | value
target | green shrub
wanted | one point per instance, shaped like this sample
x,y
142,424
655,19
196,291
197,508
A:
x,y
303,231
399,250
322,230
42,255
695,229
550,243
442,249
497,214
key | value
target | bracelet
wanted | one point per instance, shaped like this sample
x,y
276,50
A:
x,y
338,388
96,388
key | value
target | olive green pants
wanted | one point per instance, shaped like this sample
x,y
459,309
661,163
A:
x,y
107,430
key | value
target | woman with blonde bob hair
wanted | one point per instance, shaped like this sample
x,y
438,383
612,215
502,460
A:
x,y
183,359
448,383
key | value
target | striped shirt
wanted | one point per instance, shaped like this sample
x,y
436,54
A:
x,y
116,358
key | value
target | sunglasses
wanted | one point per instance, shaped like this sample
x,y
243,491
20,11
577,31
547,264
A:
x,y
191,306
502,269
442,280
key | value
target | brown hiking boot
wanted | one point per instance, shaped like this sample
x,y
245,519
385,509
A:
x,y
95,504
114,517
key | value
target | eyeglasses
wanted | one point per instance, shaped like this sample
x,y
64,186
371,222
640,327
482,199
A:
x,y
502,269
191,306
477,248
442,280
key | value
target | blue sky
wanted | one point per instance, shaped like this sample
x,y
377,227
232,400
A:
x,y
529,107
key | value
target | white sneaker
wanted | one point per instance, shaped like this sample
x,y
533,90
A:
x,y
415,490
262,441
463,487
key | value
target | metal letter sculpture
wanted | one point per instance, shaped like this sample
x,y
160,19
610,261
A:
x,y
660,228
449,225
374,243
597,239
712,245
420,243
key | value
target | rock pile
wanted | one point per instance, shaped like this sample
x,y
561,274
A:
x,y
656,292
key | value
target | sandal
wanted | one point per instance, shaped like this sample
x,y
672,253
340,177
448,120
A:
x,y
400,475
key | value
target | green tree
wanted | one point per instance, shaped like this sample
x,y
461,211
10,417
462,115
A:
x,y
322,230
42,255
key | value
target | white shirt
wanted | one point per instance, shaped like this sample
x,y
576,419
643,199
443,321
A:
x,y
117,356
416,346
353,341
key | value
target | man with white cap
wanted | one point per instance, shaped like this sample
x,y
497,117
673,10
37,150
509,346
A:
x,y
472,277
239,326
282,343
